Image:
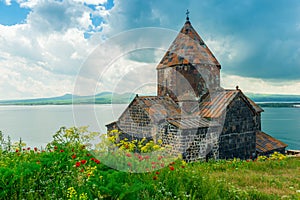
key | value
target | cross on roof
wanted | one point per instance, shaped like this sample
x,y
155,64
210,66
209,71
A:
x,y
187,15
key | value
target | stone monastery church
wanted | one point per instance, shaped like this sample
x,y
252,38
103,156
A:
x,y
192,113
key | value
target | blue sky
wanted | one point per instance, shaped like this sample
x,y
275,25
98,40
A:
x,y
44,43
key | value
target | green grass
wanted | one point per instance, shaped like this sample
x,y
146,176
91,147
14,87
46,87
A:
x,y
67,170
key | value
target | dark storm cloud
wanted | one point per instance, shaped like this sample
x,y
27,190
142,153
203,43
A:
x,y
268,30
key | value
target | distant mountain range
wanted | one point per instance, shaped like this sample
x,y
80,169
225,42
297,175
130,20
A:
x,y
101,98
265,100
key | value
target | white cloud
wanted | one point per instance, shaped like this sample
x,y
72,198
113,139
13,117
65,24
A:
x,y
92,2
8,2
43,56
47,51
257,85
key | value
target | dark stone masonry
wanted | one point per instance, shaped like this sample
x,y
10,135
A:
x,y
192,113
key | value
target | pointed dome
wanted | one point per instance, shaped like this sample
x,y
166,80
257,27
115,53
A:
x,y
188,47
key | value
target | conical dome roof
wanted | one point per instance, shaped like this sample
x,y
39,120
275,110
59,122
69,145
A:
x,y
188,47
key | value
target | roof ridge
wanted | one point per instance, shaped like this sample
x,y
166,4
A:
x,y
188,48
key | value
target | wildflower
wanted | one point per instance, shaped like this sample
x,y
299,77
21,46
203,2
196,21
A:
x,y
77,164
61,151
128,155
83,196
171,168
88,154
71,192
17,150
83,162
147,157
159,157
97,161
129,164
182,166
35,149
157,172
28,148
55,147
73,156
155,177
162,165
141,158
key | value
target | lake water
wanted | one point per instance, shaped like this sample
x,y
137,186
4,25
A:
x,y
36,124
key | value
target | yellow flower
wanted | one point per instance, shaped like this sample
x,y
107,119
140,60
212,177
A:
x,y
71,192
83,196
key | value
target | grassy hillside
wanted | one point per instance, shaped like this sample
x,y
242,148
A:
x,y
67,170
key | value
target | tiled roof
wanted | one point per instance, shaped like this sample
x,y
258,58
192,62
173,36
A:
x,y
188,47
214,105
265,143
159,107
256,107
189,122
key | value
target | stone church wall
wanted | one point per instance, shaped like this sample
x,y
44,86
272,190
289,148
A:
x,y
191,144
135,123
183,82
238,138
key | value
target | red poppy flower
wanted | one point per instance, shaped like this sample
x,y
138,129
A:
x,y
55,147
171,168
17,150
155,177
28,148
83,162
77,164
61,150
93,159
97,161
88,154
128,155
182,166
162,165
147,157
73,156
35,149
141,158
129,164
157,172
